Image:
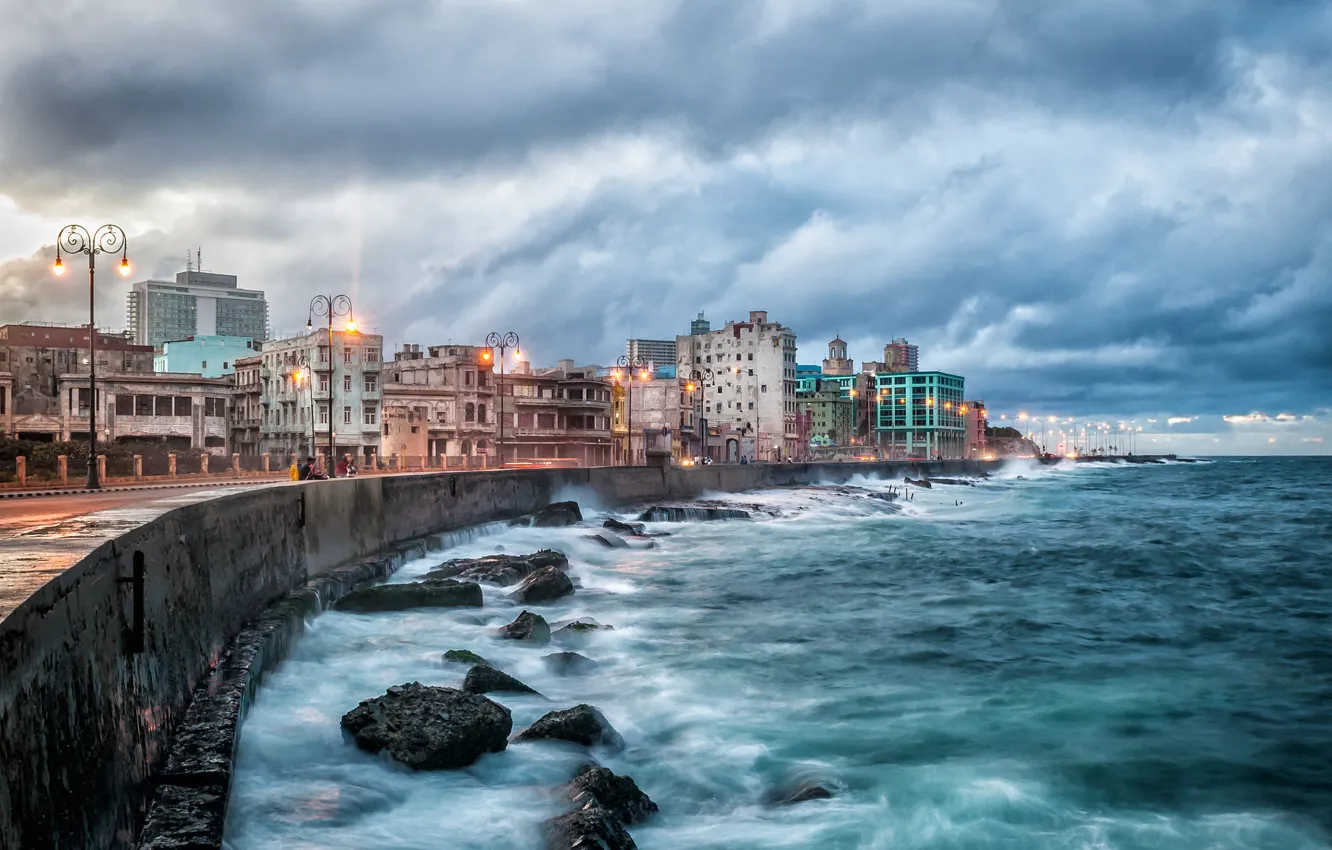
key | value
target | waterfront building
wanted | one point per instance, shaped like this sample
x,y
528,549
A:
x,y
440,405
196,304
180,411
831,413
34,360
658,352
557,416
209,356
754,381
900,356
337,385
837,362
975,423
664,407
806,376
919,414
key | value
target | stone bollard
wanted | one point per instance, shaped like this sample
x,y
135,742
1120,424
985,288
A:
x,y
265,462
235,464
171,465
101,467
374,459
203,463
21,469
138,467
62,466
319,462
422,459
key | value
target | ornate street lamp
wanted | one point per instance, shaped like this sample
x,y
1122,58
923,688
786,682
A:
x,y
300,375
632,364
107,239
503,342
695,386
330,306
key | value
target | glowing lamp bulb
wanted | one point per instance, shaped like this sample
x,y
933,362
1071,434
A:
x,y
124,267
485,355
59,267
351,326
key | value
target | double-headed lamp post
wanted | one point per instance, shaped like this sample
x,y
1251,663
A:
x,y
329,306
107,239
503,342
631,365
696,386
300,375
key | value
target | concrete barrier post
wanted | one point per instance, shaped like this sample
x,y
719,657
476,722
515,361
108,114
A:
x,y
62,466
203,463
266,462
235,463
374,461
138,467
319,462
21,469
171,465
101,467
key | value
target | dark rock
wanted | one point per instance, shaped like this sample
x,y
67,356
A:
x,y
957,482
569,663
429,728
581,724
578,627
659,513
185,818
589,828
435,593
635,529
484,679
619,795
503,570
545,585
463,656
919,483
607,539
558,514
527,626
799,794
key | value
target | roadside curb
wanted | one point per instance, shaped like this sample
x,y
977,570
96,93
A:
x,y
32,494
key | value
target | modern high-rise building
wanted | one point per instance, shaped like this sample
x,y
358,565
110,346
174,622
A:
x,y
901,356
197,304
699,326
919,414
661,352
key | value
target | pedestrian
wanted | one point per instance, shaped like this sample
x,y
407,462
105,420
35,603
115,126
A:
x,y
351,469
340,470
295,471
306,469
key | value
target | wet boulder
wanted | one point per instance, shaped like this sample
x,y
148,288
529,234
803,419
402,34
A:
x,y
484,679
922,482
635,529
463,656
502,570
429,728
527,626
607,539
545,585
619,795
579,627
797,794
581,724
688,513
589,828
557,515
433,593
569,663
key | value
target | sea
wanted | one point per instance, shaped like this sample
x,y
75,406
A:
x,y
1088,656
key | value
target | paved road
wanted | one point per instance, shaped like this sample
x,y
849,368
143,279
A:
x,y
40,538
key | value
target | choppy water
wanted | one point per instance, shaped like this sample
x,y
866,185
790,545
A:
x,y
1084,657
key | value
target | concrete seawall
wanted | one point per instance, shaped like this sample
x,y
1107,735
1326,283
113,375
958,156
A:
x,y
98,668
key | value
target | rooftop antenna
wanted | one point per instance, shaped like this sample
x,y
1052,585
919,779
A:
x,y
198,258
189,262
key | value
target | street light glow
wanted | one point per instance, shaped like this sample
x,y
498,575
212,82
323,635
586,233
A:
x,y
124,267
59,268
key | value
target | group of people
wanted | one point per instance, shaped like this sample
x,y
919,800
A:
x,y
309,471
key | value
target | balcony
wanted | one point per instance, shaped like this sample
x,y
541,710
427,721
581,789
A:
x,y
372,367
536,432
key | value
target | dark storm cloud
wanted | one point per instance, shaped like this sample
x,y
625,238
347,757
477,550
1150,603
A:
x,y
1111,204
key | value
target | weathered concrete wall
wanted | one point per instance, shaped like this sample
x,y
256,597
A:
x,y
85,721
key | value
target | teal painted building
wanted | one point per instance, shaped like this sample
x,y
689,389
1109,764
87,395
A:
x,y
209,356
920,414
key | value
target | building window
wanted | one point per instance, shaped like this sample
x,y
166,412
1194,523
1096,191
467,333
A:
x,y
372,355
763,389
369,417
323,414
323,383
481,412
371,384
346,416
124,405
346,355
205,364
467,379
346,383
469,412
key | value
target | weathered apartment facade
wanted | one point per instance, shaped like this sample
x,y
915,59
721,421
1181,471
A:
x,y
560,415
439,406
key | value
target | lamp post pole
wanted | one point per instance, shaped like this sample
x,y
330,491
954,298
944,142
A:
x,y
696,386
74,239
302,375
630,364
330,306
503,342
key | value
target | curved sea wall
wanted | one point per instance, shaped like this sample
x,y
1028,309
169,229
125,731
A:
x,y
98,667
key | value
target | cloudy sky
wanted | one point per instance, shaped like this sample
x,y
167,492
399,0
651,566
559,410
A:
x,y
1108,209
